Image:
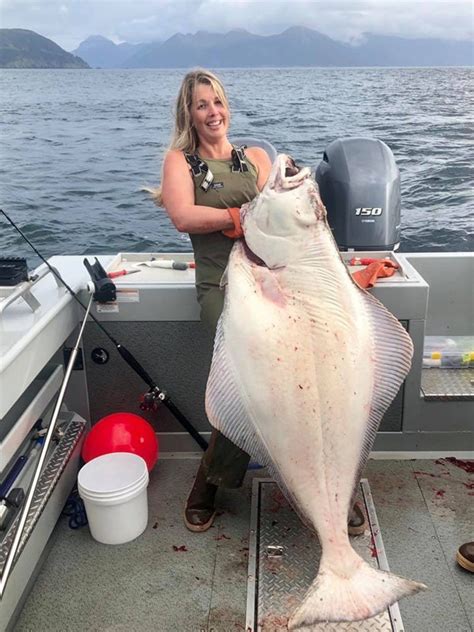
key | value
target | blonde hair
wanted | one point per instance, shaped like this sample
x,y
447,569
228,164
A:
x,y
184,136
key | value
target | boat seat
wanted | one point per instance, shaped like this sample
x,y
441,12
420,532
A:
x,y
249,141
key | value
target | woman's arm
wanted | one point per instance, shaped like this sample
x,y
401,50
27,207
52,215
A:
x,y
178,199
262,161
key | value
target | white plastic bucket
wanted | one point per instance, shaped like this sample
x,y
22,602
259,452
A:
x,y
114,490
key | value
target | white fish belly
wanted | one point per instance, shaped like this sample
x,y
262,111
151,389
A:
x,y
304,361
305,364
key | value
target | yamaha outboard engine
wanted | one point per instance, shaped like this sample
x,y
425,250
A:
x,y
359,183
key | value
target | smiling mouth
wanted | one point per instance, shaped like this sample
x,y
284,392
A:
x,y
214,124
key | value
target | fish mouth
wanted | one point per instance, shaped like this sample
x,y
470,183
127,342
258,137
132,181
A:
x,y
291,168
287,174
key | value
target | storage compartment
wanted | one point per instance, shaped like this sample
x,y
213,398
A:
x,y
448,352
31,406
448,349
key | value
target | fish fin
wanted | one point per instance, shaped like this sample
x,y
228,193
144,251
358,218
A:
x,y
393,352
366,592
227,412
225,403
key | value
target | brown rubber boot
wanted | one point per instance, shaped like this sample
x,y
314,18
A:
x,y
357,521
465,556
199,512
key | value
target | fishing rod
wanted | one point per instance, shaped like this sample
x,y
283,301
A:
x,y
105,290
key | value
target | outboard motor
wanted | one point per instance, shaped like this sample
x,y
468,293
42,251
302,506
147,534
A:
x,y
359,183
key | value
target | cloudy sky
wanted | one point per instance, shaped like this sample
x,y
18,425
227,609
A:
x,y
68,22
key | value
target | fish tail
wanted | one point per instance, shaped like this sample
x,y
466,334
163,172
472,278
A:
x,y
361,593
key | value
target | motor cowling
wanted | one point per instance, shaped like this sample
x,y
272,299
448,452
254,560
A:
x,y
359,184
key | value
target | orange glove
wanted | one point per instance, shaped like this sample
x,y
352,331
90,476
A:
x,y
368,276
236,232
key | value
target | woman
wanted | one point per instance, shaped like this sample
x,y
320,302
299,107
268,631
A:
x,y
205,182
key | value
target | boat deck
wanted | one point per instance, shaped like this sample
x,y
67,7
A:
x,y
171,580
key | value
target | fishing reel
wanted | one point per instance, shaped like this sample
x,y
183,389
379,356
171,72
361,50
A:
x,y
104,289
152,399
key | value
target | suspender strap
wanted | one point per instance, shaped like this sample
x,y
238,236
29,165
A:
x,y
198,167
238,159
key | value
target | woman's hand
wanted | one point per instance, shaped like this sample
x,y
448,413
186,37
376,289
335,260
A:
x,y
236,231
178,199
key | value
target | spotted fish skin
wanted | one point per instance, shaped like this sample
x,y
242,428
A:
x,y
305,364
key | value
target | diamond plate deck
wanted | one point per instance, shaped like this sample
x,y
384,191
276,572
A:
x,y
284,557
457,384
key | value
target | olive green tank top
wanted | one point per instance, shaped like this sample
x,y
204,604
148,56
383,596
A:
x,y
228,189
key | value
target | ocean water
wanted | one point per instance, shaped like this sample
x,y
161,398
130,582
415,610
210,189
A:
x,y
78,146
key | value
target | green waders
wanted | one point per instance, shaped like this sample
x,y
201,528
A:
x,y
223,463
234,183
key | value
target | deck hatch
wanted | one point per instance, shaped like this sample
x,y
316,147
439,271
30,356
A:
x,y
283,558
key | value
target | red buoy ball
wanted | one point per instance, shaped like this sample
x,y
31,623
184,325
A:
x,y
122,432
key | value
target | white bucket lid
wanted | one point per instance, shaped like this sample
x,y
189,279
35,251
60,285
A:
x,y
111,473
122,493
118,498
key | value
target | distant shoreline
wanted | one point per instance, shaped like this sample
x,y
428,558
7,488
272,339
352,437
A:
x,y
295,47
243,68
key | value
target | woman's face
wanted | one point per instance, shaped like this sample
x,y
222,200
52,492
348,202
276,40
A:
x,y
209,115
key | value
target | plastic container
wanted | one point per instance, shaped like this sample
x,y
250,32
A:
x,y
114,490
454,352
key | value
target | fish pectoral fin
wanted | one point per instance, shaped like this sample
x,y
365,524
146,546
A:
x,y
225,406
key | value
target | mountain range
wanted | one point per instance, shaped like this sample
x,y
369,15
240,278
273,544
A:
x,y
20,48
103,53
296,46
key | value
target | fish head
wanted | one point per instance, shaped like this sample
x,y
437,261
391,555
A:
x,y
277,223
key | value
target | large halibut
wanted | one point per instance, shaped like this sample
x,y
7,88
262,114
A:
x,y
305,364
